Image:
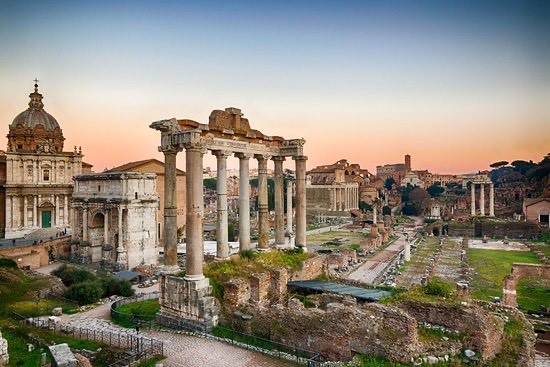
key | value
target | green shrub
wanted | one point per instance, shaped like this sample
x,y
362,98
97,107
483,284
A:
x,y
437,287
294,251
112,286
8,263
85,293
70,275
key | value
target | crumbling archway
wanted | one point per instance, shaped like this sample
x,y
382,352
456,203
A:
x,y
520,270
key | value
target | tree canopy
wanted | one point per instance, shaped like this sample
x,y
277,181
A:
x,y
498,164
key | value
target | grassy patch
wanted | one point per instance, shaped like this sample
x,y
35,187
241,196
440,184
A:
x,y
41,307
151,362
129,313
371,361
17,348
533,293
544,248
491,266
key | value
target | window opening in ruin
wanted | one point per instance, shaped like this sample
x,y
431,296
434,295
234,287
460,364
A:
x,y
98,188
544,218
136,195
19,146
46,175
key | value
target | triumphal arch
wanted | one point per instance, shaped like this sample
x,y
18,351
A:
x,y
227,134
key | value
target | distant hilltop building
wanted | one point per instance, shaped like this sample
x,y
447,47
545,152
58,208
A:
x,y
397,170
36,174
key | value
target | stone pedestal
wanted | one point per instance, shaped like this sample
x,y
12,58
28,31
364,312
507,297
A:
x,y
189,300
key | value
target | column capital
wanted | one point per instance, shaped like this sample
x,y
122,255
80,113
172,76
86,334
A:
x,y
278,158
244,155
222,153
167,150
194,146
262,157
300,158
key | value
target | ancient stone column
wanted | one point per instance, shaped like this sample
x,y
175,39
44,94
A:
x,y
222,248
346,198
57,204
279,202
25,216
9,212
34,211
491,200
263,214
195,212
170,213
120,254
106,227
289,206
374,213
473,199
244,200
482,199
85,223
407,251
66,210
300,201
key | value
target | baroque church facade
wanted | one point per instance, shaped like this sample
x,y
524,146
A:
x,y
36,174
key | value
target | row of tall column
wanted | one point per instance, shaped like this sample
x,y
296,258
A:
x,y
17,216
195,206
473,211
344,198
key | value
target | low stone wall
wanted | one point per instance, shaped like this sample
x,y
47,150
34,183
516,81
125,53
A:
x,y
483,330
520,270
339,331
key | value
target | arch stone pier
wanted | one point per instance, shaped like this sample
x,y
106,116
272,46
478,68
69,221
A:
x,y
520,270
227,134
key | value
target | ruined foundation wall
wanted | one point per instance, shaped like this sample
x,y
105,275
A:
x,y
483,330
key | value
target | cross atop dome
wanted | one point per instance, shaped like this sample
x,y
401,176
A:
x,y
36,85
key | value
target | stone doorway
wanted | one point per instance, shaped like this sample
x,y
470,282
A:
x,y
46,219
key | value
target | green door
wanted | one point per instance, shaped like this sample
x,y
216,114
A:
x,y
46,219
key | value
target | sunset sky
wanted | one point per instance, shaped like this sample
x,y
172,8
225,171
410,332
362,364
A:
x,y
455,84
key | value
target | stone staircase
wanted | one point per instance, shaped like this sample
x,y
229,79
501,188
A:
x,y
43,233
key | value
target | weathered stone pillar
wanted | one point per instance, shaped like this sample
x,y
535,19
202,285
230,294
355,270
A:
x,y
57,205
34,211
25,216
334,198
66,210
120,253
170,213
482,199
195,212
222,248
289,207
279,202
491,200
374,213
263,214
106,227
85,223
244,200
407,256
9,220
300,201
473,199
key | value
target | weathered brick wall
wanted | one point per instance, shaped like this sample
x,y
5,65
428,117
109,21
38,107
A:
x,y
36,256
520,270
483,330
340,331
311,268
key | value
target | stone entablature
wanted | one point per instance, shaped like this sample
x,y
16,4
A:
x,y
115,219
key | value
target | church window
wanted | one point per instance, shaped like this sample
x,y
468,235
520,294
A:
x,y
46,175
136,195
98,188
19,146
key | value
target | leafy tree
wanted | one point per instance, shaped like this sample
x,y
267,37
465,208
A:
x,y
386,210
390,181
405,191
498,164
435,190
231,232
523,166
409,209
210,183
420,198
8,263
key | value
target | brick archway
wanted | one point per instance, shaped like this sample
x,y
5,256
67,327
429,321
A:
x,y
520,270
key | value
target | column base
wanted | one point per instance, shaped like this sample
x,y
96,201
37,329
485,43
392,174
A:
x,y
170,269
186,303
302,247
194,278
218,259
263,249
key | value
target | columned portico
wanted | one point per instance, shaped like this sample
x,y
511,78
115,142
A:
x,y
279,202
227,133
482,180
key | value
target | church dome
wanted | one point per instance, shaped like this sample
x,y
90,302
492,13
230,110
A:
x,y
34,130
